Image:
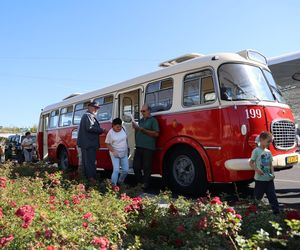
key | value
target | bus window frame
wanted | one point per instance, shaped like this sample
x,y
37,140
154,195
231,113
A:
x,y
56,125
141,96
74,110
60,114
215,84
112,108
160,81
262,68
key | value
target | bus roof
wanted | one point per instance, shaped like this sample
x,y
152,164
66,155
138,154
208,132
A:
x,y
198,61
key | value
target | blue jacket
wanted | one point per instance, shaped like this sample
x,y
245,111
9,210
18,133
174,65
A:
x,y
89,131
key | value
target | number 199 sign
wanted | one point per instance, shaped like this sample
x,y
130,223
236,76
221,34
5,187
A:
x,y
253,113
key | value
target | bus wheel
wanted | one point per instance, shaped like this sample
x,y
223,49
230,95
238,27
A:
x,y
186,172
63,161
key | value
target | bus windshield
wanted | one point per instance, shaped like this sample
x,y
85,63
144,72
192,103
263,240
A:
x,y
243,82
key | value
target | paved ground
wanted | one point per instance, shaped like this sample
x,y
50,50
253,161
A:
x,y
287,185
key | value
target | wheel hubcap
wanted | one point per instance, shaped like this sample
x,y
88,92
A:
x,y
183,170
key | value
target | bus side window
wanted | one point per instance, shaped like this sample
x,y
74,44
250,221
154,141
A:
x,y
207,90
198,88
65,118
159,95
53,119
106,106
80,109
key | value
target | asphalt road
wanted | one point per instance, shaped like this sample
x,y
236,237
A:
x,y
287,184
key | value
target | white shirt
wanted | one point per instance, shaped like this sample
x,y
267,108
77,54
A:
x,y
27,143
118,140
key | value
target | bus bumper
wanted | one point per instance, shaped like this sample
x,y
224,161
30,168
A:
x,y
279,162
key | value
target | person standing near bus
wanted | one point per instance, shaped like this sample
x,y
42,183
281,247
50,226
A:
x,y
116,141
27,147
261,162
88,140
145,137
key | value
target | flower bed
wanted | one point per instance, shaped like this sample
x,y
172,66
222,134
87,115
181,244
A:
x,y
42,209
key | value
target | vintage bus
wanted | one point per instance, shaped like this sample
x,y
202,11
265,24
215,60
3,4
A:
x,y
210,110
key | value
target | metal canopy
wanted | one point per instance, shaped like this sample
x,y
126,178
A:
x,y
286,69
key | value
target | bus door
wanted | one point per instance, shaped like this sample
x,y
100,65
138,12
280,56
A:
x,y
42,137
129,106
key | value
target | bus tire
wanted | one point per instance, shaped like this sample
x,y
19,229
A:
x,y
186,172
63,160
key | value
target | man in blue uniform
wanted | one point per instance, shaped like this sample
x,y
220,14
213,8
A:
x,y
88,140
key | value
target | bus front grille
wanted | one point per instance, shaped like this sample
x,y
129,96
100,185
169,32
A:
x,y
284,133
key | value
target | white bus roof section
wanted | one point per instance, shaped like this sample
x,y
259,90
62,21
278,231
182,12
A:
x,y
286,69
70,96
180,59
196,63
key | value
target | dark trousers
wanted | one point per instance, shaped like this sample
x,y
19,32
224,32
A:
x,y
268,188
88,162
143,160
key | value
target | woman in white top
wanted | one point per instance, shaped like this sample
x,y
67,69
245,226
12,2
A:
x,y
27,147
116,141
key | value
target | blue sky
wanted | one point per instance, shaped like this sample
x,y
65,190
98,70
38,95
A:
x,y
52,48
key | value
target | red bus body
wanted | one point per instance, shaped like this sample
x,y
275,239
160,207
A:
x,y
222,136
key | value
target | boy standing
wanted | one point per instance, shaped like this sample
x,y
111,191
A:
x,y
261,162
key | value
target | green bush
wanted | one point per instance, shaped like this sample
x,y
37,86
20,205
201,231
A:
x,y
41,208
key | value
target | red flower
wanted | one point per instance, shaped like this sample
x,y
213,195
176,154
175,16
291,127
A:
x,y
202,223
230,210
216,200
25,225
26,212
38,234
81,188
2,182
76,200
172,209
238,216
180,228
293,215
67,202
85,224
252,209
1,212
50,248
5,240
48,234
13,204
52,199
178,242
101,242
136,205
116,188
88,216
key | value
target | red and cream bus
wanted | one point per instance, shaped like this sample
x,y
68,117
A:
x,y
210,110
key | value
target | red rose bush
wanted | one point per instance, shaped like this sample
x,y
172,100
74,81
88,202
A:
x,y
42,209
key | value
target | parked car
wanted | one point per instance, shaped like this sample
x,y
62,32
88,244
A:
x,y
14,150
